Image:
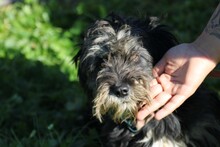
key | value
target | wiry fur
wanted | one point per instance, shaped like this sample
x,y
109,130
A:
x,y
115,68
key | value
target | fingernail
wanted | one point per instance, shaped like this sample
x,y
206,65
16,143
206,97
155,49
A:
x,y
154,73
158,116
140,124
141,114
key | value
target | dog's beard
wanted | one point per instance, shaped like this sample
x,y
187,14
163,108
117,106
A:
x,y
120,109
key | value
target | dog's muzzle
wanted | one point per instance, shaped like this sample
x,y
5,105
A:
x,y
121,91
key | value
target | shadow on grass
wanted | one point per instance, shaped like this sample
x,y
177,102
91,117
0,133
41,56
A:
x,y
40,106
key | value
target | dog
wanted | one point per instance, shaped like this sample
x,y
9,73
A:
x,y
115,67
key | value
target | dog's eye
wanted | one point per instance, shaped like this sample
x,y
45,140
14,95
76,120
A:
x,y
133,81
134,58
103,65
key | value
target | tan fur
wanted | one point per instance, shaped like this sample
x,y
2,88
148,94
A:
x,y
121,109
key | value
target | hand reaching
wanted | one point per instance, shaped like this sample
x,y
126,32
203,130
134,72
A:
x,y
178,74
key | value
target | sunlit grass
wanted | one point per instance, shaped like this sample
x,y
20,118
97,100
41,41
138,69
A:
x,y
41,101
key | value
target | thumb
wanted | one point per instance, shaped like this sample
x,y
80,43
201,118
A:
x,y
159,68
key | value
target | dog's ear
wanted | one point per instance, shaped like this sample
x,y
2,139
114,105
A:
x,y
77,57
158,40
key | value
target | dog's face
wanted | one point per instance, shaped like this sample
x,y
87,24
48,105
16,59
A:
x,y
115,69
122,77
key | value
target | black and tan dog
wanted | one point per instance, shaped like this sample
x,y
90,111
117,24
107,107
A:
x,y
115,67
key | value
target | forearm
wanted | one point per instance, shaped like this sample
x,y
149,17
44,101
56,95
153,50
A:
x,y
209,41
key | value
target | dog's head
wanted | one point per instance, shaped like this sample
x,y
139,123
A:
x,y
115,64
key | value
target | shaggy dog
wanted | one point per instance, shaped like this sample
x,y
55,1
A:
x,y
115,68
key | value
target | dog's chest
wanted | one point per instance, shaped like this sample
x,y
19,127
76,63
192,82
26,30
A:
x,y
163,142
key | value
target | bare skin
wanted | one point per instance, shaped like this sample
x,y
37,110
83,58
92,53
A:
x,y
181,71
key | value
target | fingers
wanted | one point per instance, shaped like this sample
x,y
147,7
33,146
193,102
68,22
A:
x,y
174,103
155,89
153,82
156,103
141,123
164,81
159,68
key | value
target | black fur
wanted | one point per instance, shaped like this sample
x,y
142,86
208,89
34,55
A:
x,y
195,124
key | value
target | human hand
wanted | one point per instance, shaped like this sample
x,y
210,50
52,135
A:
x,y
179,73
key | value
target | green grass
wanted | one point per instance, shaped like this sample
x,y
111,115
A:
x,y
42,104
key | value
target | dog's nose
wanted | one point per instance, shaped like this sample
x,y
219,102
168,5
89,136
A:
x,y
121,91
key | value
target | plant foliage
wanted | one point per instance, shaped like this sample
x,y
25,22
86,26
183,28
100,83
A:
x,y
42,104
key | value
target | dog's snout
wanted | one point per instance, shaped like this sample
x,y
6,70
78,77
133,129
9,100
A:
x,y
121,91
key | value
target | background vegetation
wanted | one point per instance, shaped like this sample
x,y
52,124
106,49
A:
x,y
41,101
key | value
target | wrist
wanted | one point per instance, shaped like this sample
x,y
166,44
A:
x,y
208,46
